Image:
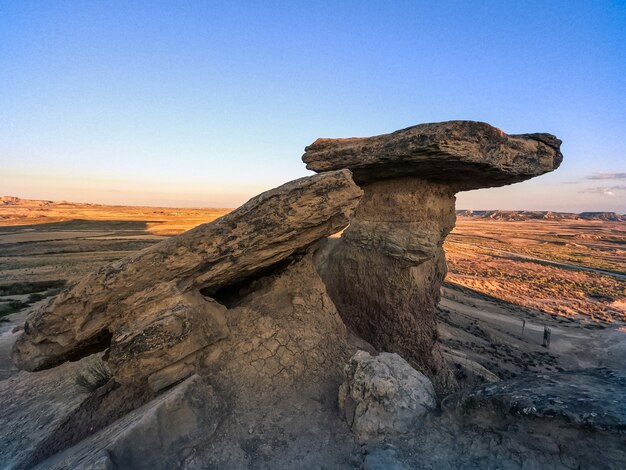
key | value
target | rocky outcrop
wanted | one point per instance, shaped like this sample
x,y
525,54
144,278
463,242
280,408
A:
x,y
560,420
385,273
383,395
161,434
463,154
148,308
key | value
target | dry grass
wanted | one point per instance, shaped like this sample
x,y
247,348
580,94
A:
x,y
534,264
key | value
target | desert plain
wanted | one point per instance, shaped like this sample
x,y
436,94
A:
x,y
566,274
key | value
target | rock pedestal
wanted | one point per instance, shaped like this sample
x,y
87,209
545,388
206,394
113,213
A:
x,y
385,273
256,303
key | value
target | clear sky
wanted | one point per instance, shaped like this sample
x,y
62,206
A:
x,y
199,103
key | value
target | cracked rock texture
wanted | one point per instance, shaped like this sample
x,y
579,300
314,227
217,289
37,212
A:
x,y
147,305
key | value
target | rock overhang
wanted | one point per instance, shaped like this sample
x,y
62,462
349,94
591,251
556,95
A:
x,y
464,154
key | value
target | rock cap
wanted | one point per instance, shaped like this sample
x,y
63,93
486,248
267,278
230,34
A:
x,y
466,154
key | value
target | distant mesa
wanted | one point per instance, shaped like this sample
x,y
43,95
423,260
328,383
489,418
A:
x,y
540,215
16,201
9,200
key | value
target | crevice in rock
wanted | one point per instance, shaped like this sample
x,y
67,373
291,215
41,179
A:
x,y
232,294
98,343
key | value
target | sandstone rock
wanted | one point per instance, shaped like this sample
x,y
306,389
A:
x,y
159,435
573,419
171,329
124,301
33,406
284,332
586,399
383,395
463,154
385,272
280,368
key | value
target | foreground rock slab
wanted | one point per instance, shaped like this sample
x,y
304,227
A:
x,y
151,299
385,273
33,406
161,434
574,419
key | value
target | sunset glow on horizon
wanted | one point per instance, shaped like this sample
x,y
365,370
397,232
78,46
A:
x,y
206,104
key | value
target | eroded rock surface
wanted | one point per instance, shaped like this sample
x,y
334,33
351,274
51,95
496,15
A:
x,y
263,312
560,420
161,434
385,273
465,154
147,305
383,395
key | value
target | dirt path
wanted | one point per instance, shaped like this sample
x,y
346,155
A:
x,y
490,333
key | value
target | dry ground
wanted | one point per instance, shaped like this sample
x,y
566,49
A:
x,y
566,275
568,268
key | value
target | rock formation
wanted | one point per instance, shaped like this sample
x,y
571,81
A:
x,y
264,310
385,272
148,309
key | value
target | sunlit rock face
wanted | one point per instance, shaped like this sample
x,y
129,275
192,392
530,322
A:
x,y
385,272
147,309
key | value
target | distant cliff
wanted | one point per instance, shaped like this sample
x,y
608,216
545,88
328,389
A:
x,y
540,215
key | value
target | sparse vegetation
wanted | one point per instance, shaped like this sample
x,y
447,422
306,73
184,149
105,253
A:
x,y
93,377
518,262
22,288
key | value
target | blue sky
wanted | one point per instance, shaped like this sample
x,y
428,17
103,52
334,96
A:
x,y
208,103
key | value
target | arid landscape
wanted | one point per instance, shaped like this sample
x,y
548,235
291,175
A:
x,y
566,274
569,268
312,235
319,324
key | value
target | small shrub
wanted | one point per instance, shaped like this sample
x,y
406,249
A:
x,y
94,377
36,297
17,305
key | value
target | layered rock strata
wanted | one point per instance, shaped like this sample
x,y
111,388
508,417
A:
x,y
385,273
147,308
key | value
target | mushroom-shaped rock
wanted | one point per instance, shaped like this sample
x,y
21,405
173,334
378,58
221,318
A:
x,y
148,306
385,272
